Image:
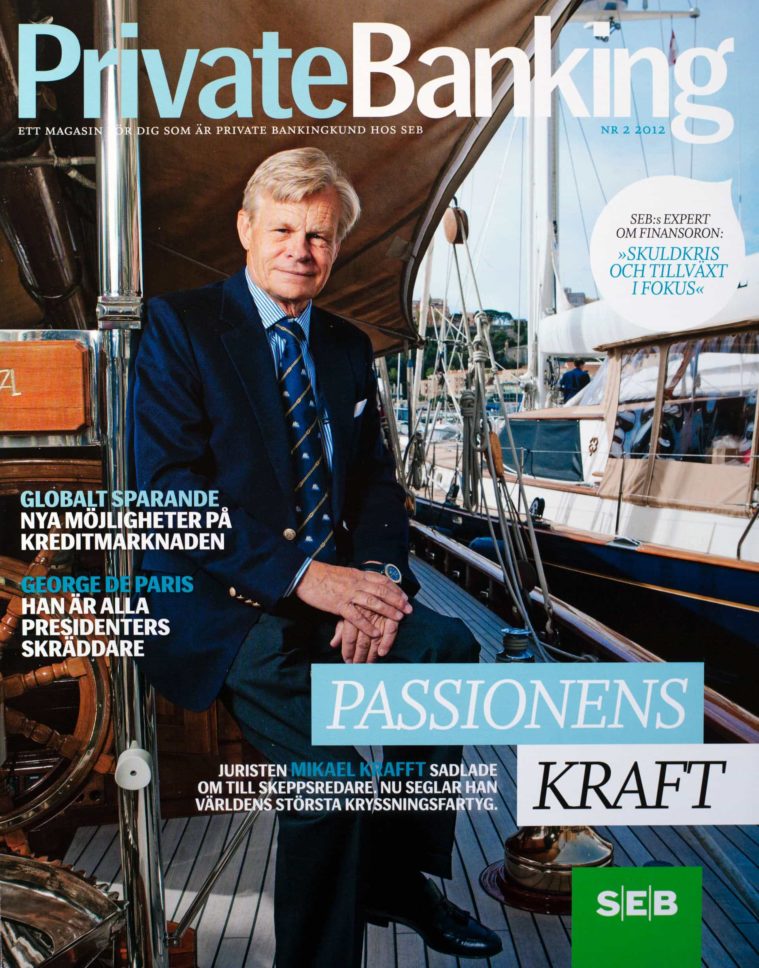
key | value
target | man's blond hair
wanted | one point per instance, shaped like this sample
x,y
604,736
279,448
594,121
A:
x,y
291,176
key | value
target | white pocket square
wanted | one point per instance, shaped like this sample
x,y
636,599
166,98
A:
x,y
359,408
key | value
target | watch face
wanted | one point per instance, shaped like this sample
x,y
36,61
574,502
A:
x,y
393,572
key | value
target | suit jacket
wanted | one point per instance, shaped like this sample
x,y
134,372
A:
x,y
206,414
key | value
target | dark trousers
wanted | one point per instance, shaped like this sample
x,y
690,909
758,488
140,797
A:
x,y
328,863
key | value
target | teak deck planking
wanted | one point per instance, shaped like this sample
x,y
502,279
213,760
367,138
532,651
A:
x,y
235,928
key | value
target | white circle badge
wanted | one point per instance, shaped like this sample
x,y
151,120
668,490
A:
x,y
667,252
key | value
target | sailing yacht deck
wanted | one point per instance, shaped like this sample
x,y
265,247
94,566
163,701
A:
x,y
235,928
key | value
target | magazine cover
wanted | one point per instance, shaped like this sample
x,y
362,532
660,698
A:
x,y
379,567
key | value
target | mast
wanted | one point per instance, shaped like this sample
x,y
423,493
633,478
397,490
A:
x,y
538,237
543,169
119,311
424,311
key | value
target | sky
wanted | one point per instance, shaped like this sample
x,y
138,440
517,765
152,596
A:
x,y
594,166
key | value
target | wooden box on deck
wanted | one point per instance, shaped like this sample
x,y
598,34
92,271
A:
x,y
44,386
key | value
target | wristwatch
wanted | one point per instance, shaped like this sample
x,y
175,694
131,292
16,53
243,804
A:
x,y
390,571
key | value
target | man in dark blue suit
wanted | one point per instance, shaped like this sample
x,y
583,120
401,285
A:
x,y
572,381
245,388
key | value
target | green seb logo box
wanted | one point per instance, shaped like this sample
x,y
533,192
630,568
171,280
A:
x,y
629,917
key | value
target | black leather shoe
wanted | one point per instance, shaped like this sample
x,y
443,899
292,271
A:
x,y
442,925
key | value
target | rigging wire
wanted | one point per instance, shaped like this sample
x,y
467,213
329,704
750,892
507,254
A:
x,y
386,395
469,467
448,274
481,247
477,434
477,452
479,357
510,579
494,198
520,247
635,109
547,652
443,361
592,160
577,186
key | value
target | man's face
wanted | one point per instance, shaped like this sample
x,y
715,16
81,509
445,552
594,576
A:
x,y
291,246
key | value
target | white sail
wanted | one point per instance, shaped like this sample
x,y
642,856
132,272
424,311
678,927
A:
x,y
578,331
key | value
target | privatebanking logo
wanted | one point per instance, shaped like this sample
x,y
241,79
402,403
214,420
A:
x,y
629,917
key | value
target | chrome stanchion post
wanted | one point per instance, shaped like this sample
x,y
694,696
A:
x,y
119,311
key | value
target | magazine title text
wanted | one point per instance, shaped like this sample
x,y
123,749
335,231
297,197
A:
x,y
464,90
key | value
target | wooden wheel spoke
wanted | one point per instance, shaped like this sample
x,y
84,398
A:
x,y
18,724
87,748
9,621
17,685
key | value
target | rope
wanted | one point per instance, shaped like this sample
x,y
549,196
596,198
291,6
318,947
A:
x,y
482,357
743,887
414,461
470,467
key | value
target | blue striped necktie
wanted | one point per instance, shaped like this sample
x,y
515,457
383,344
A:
x,y
311,476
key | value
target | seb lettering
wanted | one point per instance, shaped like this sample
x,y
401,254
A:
x,y
637,904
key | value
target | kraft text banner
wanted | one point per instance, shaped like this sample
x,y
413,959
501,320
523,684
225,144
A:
x,y
638,785
570,703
